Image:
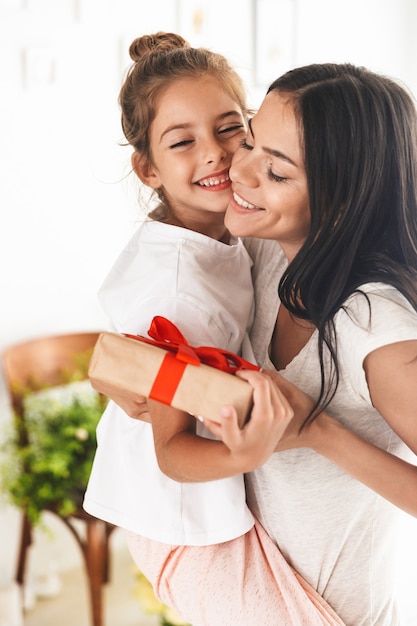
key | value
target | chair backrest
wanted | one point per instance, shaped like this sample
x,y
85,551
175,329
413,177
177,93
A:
x,y
44,362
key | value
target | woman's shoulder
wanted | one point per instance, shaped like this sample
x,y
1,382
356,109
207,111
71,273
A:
x,y
374,315
377,298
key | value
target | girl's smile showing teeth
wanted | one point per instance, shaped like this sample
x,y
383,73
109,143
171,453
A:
x,y
217,180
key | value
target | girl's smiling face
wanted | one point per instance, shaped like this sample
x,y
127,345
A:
x,y
196,130
270,195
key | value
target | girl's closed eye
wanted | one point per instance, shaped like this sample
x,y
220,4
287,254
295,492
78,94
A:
x,y
181,144
232,129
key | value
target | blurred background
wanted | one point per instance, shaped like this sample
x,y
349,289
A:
x,y
67,202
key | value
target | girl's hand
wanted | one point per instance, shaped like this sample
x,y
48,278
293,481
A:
x,y
137,409
252,445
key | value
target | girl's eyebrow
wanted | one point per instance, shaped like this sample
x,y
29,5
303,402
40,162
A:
x,y
174,127
220,118
275,153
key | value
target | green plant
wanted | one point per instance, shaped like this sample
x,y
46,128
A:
x,y
47,456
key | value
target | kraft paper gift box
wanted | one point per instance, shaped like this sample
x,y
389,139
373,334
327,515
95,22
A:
x,y
167,369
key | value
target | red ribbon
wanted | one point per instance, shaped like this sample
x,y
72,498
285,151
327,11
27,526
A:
x,y
180,354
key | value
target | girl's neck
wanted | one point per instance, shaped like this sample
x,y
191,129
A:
x,y
216,231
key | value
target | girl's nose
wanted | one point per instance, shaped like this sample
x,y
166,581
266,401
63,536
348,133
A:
x,y
242,169
214,151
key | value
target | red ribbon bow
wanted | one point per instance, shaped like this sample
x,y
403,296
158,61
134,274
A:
x,y
180,354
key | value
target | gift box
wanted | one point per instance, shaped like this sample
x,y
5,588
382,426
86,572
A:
x,y
166,368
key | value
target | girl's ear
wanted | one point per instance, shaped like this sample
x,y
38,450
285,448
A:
x,y
145,171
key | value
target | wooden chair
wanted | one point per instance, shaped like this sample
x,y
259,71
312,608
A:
x,y
48,360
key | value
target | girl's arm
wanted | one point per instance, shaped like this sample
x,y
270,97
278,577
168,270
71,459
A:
x,y
186,457
391,373
137,409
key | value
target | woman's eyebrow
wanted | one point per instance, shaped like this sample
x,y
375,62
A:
x,y
272,152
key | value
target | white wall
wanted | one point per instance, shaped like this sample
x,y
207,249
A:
x,y
66,207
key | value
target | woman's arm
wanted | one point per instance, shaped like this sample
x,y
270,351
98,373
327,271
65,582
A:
x,y
391,373
186,457
391,477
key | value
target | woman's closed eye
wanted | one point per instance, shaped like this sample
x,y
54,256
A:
x,y
244,144
275,177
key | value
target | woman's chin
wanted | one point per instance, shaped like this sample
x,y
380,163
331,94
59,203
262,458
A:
x,y
239,223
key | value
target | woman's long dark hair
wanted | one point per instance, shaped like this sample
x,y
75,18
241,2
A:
x,y
359,132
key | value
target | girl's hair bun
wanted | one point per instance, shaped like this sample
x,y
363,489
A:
x,y
159,42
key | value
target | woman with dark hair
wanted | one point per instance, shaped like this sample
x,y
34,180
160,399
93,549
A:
x,y
329,172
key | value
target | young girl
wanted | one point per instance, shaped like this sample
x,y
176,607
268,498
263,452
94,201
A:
x,y
184,113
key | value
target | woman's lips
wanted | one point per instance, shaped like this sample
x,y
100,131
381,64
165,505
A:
x,y
243,206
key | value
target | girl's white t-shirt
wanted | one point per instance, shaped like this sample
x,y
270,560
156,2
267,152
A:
x,y
205,288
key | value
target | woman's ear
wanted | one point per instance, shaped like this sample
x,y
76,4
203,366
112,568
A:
x,y
145,171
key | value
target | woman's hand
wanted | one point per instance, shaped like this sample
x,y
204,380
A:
x,y
297,435
185,456
271,415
